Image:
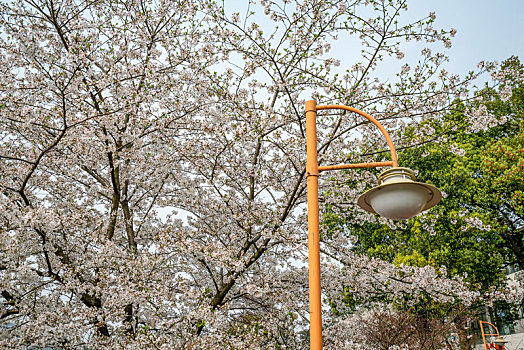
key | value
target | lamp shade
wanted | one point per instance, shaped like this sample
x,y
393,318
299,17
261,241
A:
x,y
500,340
398,196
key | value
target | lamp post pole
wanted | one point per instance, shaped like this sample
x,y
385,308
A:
x,y
315,315
398,196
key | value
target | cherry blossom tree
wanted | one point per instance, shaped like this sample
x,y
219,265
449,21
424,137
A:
x,y
386,328
152,165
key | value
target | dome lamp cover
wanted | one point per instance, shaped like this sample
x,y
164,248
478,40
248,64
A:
x,y
398,195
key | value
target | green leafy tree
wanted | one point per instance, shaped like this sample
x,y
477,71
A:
x,y
476,229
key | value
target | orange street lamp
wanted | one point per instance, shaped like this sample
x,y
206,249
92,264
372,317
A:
x,y
499,340
398,196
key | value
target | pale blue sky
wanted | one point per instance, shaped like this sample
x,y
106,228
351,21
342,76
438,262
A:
x,y
490,30
486,29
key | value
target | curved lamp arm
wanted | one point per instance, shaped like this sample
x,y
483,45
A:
x,y
311,112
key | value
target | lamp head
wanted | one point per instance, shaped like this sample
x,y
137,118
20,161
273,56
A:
x,y
500,340
398,195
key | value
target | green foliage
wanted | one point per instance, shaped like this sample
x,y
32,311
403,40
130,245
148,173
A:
x,y
475,229
504,169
